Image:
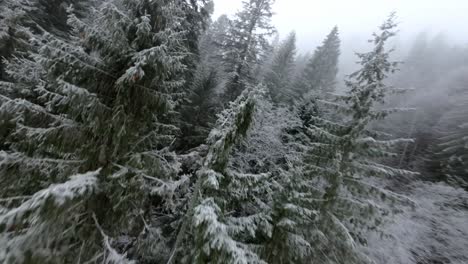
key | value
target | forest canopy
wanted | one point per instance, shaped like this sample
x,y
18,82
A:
x,y
150,131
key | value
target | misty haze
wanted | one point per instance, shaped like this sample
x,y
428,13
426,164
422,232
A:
x,y
234,131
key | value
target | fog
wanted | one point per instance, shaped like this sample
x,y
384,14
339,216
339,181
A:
x,y
357,20
313,19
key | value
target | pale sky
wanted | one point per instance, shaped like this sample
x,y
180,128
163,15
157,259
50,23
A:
x,y
313,19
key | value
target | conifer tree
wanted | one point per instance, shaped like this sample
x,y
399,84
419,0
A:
x,y
224,218
85,164
217,35
338,157
319,76
198,115
265,149
451,150
13,35
245,42
279,73
20,18
300,64
196,19
198,112
98,99
346,215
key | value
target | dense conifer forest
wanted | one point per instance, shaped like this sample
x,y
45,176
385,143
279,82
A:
x,y
150,131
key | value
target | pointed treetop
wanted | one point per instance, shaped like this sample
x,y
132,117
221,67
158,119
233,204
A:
x,y
319,76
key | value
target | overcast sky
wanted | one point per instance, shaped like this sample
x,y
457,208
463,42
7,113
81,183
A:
x,y
313,19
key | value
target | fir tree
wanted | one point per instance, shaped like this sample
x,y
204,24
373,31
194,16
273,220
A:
x,y
198,114
224,216
265,149
338,157
198,110
451,149
345,214
245,42
20,18
279,73
319,75
217,35
196,19
98,99
101,101
13,35
301,64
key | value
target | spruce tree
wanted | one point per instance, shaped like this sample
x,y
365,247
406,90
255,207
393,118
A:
x,y
338,156
451,150
347,213
265,149
196,19
293,217
224,216
244,44
86,168
278,75
13,35
199,112
217,35
319,75
300,64
20,18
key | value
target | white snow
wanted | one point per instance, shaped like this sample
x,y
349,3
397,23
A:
x,y
435,232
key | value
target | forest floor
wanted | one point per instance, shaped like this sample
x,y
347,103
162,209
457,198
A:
x,y
435,232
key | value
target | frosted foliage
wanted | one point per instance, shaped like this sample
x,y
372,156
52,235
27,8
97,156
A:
x,y
110,255
339,158
245,43
217,237
141,131
31,212
264,149
77,186
11,14
100,95
435,230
